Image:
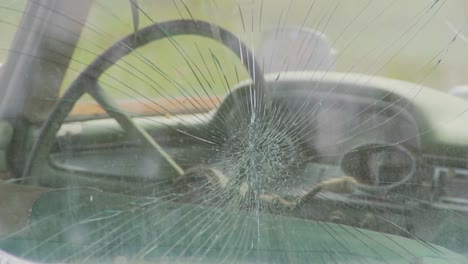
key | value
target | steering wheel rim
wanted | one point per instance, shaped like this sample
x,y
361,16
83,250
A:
x,y
87,81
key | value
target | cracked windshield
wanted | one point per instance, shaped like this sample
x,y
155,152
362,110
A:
x,y
234,131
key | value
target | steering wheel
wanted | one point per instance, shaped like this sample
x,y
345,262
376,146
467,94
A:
x,y
87,82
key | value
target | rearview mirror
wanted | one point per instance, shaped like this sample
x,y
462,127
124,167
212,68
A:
x,y
460,91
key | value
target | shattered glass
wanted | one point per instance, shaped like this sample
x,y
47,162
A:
x,y
243,131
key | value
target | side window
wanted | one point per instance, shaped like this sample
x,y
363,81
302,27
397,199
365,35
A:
x,y
11,12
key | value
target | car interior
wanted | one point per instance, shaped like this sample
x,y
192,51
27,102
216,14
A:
x,y
240,162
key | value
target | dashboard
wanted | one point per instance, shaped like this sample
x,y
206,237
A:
x,y
347,126
305,132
